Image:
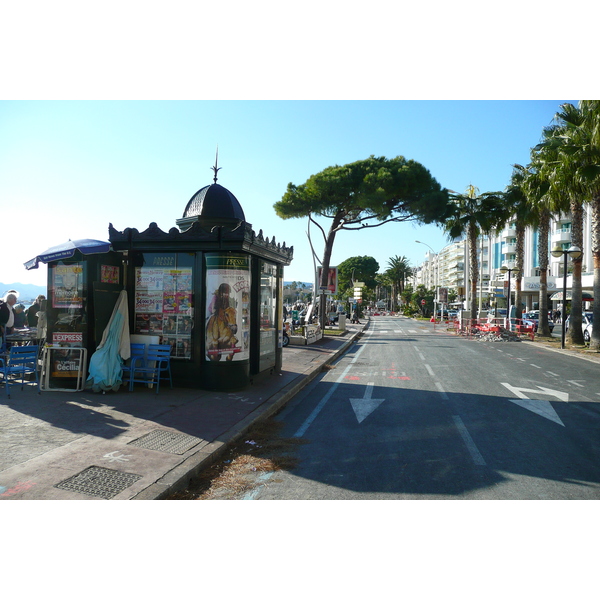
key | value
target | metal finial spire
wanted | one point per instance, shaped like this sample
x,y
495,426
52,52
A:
x,y
215,168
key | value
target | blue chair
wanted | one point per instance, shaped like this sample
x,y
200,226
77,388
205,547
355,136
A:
x,y
20,361
156,366
137,356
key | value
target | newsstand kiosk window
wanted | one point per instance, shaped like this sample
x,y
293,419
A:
x,y
67,321
163,303
268,304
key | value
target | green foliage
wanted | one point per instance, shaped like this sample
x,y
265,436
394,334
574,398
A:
x,y
368,192
359,268
475,213
365,193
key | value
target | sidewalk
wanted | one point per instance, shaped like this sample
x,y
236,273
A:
x,y
138,445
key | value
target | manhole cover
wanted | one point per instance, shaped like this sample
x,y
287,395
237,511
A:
x,y
166,441
98,481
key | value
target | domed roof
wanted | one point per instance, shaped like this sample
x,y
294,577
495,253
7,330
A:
x,y
214,202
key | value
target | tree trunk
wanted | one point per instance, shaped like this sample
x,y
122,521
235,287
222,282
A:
x,y
575,333
595,213
325,272
519,265
544,228
473,267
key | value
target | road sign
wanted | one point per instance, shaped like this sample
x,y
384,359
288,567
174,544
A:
x,y
423,302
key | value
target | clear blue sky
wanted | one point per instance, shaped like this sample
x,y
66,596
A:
x,y
69,168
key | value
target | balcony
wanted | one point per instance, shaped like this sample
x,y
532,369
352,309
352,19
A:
x,y
509,232
561,236
563,218
510,248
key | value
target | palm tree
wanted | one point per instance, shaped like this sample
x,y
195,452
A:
x,y
536,187
519,206
399,269
474,213
579,145
566,195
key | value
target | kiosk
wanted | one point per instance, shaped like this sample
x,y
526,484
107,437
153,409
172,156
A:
x,y
211,288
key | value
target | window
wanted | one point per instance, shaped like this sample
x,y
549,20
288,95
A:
x,y
163,303
268,321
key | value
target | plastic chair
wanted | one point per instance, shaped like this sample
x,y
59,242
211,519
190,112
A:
x,y
21,361
156,366
137,356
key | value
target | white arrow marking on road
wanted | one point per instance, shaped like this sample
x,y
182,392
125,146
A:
x,y
363,407
564,396
544,409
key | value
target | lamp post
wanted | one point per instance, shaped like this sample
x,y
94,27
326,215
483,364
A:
x,y
573,252
504,269
437,272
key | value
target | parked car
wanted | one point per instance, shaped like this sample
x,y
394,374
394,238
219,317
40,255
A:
x,y
586,324
533,317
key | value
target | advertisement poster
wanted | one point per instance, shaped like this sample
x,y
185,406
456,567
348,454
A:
x,y
332,287
68,286
109,274
163,306
227,307
66,362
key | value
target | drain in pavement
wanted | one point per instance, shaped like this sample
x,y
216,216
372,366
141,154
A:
x,y
98,481
166,441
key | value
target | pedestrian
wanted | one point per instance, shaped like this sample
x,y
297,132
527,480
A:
x,y
20,320
32,311
7,315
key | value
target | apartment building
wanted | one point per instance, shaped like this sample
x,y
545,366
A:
x,y
450,266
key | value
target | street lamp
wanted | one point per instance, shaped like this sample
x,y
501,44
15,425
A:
x,y
504,269
437,272
574,252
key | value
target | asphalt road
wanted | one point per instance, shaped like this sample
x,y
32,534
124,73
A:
x,y
412,412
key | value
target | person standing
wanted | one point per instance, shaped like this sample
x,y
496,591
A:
x,y
7,315
32,311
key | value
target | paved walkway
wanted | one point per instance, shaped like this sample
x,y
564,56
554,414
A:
x,y
138,445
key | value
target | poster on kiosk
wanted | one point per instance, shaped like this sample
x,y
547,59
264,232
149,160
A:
x,y
227,307
67,325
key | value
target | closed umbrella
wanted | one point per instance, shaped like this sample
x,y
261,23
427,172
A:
x,y
68,250
105,371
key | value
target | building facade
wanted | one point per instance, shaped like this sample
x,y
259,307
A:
x,y
450,267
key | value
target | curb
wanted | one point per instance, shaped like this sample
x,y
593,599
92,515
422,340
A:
x,y
178,478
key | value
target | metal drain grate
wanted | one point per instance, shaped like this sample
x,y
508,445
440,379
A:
x,y
98,481
166,441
